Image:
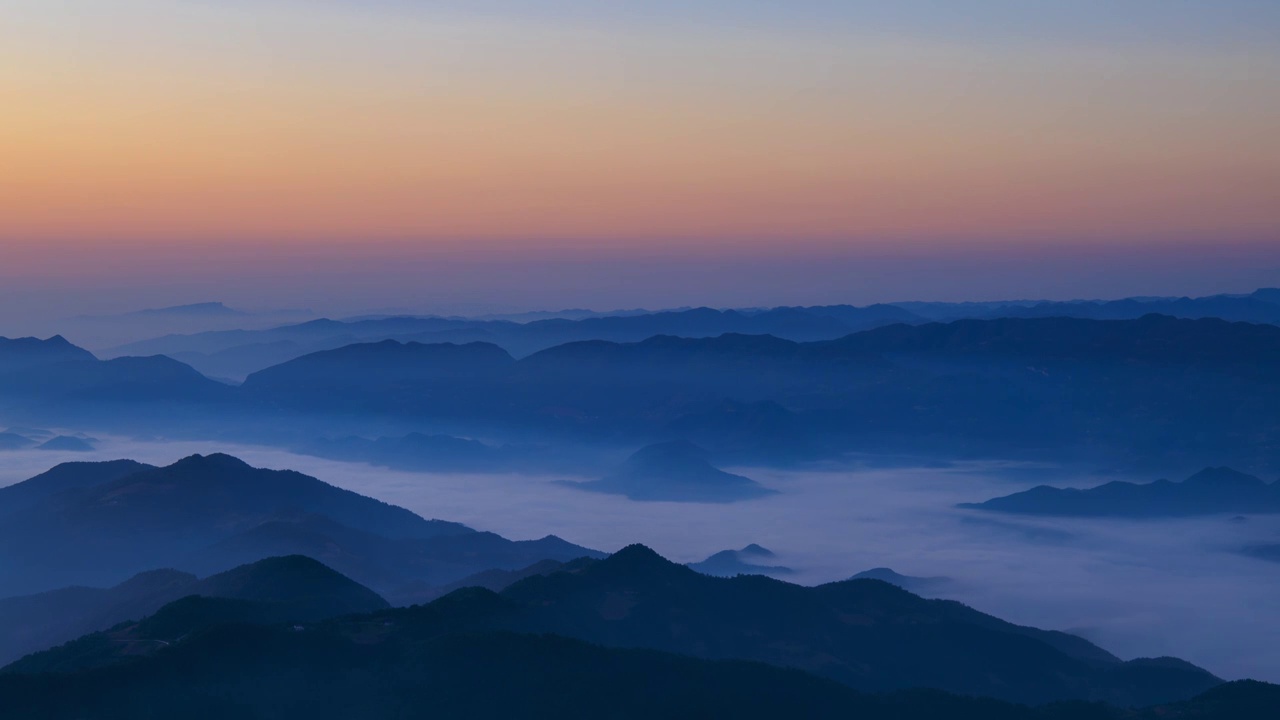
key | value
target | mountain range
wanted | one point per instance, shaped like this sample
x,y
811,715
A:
x,y
300,587
863,634
98,524
1208,492
1152,393
235,354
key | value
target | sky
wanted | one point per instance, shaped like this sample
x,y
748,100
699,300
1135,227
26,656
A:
x,y
512,154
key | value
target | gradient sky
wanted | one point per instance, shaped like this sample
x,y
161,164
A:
x,y
514,153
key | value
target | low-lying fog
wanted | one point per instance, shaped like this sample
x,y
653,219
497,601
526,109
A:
x,y
1137,588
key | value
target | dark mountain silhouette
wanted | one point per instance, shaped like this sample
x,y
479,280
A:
x,y
403,570
676,471
1210,491
312,590
750,560
94,524
24,353
21,497
378,671
32,623
67,443
499,580
917,585
863,633
305,588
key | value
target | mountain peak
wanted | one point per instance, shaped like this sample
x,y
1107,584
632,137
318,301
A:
x,y
213,461
1223,477
635,561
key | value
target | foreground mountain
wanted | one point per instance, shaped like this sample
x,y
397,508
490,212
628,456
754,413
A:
x,y
99,523
867,634
321,674
677,471
1208,492
308,590
224,658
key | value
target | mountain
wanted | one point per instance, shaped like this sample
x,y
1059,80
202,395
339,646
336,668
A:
x,y
322,674
747,561
20,498
675,471
96,524
446,373
1208,492
382,671
1157,391
237,354
312,590
24,353
66,443
205,309
101,390
13,441
1151,393
306,589
417,452
404,571
31,623
864,634
917,585
1254,308
499,580
867,634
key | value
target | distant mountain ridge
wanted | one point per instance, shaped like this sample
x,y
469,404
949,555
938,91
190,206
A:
x,y
1157,391
238,353
1210,491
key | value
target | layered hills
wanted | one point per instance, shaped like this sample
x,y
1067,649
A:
x,y
864,635
99,523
